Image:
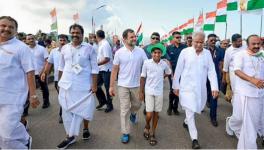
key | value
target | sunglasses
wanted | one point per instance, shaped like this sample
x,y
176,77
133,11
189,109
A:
x,y
155,38
178,37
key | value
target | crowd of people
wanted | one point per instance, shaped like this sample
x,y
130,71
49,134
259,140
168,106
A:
x,y
86,69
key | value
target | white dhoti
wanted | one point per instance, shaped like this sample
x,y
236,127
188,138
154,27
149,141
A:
x,y
76,106
13,134
247,122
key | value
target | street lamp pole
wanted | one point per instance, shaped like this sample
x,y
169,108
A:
x,y
93,18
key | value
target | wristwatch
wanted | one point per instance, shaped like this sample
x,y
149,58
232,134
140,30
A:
x,y
34,96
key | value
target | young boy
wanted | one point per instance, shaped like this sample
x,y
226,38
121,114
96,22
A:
x,y
151,86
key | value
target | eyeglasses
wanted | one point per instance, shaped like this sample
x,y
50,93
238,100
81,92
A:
x,y
178,37
155,38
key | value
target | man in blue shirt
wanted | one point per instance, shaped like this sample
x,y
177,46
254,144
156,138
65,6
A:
x,y
218,58
173,51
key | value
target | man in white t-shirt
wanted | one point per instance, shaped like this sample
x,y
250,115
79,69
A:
x,y
40,57
127,64
16,80
105,63
54,59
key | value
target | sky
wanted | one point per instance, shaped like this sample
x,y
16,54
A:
x,y
156,15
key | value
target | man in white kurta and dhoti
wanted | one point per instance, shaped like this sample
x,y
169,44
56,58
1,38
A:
x,y
194,65
16,80
77,84
249,95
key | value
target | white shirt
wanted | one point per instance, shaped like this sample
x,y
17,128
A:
x,y
15,61
229,57
251,66
54,58
190,78
40,55
130,65
154,74
105,50
85,56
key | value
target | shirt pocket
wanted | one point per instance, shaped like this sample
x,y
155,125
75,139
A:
x,y
6,58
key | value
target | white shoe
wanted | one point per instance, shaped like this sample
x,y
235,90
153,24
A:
x,y
229,131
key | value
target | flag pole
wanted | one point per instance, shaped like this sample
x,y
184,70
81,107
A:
x,y
241,23
226,31
261,22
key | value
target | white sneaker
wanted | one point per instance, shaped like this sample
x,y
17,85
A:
x,y
229,131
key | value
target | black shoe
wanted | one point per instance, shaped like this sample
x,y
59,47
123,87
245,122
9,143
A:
x,y
44,106
176,112
262,138
60,120
214,123
195,144
65,143
86,134
185,126
108,109
100,106
169,111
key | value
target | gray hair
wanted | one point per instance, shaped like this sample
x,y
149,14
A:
x,y
198,34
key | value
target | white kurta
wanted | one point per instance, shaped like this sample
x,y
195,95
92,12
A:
x,y
190,78
54,58
75,89
40,55
15,61
247,109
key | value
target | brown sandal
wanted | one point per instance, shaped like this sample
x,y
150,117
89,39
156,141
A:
x,y
152,140
146,133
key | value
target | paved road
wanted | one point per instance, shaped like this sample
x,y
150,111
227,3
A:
x,y
47,133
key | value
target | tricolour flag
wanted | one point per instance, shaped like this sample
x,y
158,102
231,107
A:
x,y
199,23
76,18
139,35
190,26
221,11
210,21
54,26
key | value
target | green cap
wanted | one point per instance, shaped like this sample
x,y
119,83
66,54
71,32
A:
x,y
157,46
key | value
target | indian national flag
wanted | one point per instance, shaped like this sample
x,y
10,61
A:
x,y
190,26
139,35
174,30
221,11
183,27
210,21
76,18
200,23
54,26
251,5
232,5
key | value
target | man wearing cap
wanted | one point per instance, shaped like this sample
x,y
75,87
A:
x,y
195,65
151,87
173,52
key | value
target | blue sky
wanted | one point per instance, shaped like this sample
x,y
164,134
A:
x,y
158,15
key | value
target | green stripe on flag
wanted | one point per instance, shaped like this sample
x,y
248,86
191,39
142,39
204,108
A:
x,y
232,6
140,39
209,27
255,4
54,26
221,18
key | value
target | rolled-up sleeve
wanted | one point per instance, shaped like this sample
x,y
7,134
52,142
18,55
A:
x,y
27,60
